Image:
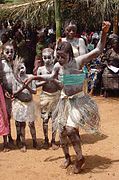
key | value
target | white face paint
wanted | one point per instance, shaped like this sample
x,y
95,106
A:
x,y
8,52
21,70
48,58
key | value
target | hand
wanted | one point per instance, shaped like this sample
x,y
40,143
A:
x,y
27,81
105,26
7,94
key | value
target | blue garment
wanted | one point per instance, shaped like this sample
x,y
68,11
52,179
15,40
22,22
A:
x,y
73,79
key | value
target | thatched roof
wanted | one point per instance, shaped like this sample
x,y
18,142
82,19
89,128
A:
x,y
83,11
33,11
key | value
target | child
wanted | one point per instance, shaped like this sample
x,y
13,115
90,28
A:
x,y
7,75
49,96
23,105
4,125
39,47
74,108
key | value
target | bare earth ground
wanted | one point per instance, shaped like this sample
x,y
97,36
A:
x,y
101,152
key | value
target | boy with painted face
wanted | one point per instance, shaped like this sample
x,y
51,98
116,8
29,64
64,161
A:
x,y
75,108
7,63
23,105
49,95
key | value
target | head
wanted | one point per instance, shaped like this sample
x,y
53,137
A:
x,y
70,29
5,24
19,36
64,53
48,56
8,51
4,38
19,67
95,38
114,41
41,36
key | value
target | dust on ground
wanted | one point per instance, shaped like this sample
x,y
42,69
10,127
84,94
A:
x,y
101,152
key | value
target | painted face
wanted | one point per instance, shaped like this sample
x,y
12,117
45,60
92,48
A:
x,y
21,70
8,52
48,58
70,31
62,58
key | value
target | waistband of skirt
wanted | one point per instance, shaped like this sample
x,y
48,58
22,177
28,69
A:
x,y
64,96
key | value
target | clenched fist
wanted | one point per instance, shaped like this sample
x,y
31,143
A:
x,y
105,26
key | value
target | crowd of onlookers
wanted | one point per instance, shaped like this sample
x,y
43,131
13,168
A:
x,y
29,41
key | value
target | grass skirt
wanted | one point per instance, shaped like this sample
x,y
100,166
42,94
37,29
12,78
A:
x,y
79,108
48,102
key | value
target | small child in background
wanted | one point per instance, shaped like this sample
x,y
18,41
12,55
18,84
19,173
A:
x,y
23,105
39,47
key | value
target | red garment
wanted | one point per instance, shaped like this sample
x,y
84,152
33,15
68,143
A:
x,y
4,125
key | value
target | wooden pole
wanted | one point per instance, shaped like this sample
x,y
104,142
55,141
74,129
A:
x,y
58,18
115,23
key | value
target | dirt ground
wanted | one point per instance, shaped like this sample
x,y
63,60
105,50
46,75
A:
x,y
101,152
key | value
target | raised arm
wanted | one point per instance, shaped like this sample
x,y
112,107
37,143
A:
x,y
84,59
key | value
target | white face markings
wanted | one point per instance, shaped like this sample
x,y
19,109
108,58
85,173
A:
x,y
48,57
22,70
8,52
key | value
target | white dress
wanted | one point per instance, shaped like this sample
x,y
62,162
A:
x,y
24,111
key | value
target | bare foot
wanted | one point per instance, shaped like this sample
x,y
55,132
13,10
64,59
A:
x,y
54,146
23,149
66,163
46,145
11,143
6,148
78,165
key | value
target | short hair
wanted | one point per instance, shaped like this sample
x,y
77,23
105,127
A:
x,y
70,22
48,50
7,44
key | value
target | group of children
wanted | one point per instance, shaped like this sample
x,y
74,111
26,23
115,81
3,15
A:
x,y
61,99
19,96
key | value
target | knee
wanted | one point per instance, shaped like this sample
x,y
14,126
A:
x,y
70,130
23,124
45,121
17,124
31,124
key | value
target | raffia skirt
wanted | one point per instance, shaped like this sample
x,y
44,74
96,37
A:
x,y
48,102
77,110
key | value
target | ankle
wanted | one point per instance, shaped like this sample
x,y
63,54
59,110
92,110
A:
x,y
46,140
67,156
34,143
